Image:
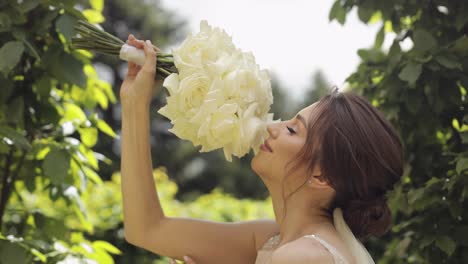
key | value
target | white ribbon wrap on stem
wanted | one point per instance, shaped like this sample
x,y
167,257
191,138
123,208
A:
x,y
359,252
130,53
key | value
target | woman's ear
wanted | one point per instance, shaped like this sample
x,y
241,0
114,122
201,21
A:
x,y
317,181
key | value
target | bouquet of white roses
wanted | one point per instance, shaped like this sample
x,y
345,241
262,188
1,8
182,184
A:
x,y
218,96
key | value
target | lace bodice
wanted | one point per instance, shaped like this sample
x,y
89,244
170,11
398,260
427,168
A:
x,y
264,254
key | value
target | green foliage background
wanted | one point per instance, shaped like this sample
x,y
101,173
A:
x,y
60,194
422,90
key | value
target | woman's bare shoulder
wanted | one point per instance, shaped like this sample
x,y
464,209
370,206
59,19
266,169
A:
x,y
265,230
302,250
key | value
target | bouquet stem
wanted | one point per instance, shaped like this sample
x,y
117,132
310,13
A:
x,y
94,39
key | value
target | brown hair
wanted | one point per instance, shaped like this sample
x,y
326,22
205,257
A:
x,y
359,154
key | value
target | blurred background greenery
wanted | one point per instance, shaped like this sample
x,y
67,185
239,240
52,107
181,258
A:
x,y
60,199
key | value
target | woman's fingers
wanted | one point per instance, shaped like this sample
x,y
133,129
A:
x,y
150,62
188,260
135,42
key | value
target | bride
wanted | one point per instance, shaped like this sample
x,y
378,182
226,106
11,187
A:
x,y
328,170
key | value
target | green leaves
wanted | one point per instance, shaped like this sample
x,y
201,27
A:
x,y
65,67
65,25
8,134
25,6
48,135
10,55
337,12
105,128
423,91
380,37
12,253
462,165
97,5
89,136
449,61
56,165
460,46
410,73
446,244
365,14
423,40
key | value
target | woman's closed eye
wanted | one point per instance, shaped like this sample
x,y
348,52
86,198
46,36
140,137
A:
x,y
291,131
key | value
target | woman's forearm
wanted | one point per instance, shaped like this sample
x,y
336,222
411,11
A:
x,y
141,207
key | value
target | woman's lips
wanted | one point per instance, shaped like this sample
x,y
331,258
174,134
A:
x,y
266,147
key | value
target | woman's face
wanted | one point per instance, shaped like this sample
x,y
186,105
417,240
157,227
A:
x,y
285,140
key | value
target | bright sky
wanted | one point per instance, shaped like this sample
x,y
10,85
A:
x,y
291,38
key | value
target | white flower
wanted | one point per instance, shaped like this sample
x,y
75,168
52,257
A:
x,y
205,47
220,98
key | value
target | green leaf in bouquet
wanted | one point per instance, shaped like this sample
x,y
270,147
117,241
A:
x,y
11,54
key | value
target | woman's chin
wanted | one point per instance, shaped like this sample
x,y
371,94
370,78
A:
x,y
257,164
254,163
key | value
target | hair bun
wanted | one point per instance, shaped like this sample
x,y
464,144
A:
x,y
366,218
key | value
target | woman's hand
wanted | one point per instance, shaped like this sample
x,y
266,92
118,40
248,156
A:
x,y
138,86
186,259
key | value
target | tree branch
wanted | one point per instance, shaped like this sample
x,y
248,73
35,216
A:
x,y
5,185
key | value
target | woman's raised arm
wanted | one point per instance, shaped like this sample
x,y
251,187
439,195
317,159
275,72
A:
x,y
145,224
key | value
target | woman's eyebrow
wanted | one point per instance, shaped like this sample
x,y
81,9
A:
x,y
302,119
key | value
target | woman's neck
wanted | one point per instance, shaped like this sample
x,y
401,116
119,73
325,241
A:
x,y
302,217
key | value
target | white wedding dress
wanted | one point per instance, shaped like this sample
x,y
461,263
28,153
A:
x,y
358,251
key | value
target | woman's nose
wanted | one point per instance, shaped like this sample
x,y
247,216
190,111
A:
x,y
272,130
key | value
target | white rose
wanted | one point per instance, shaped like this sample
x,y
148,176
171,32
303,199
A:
x,y
220,98
186,95
197,51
